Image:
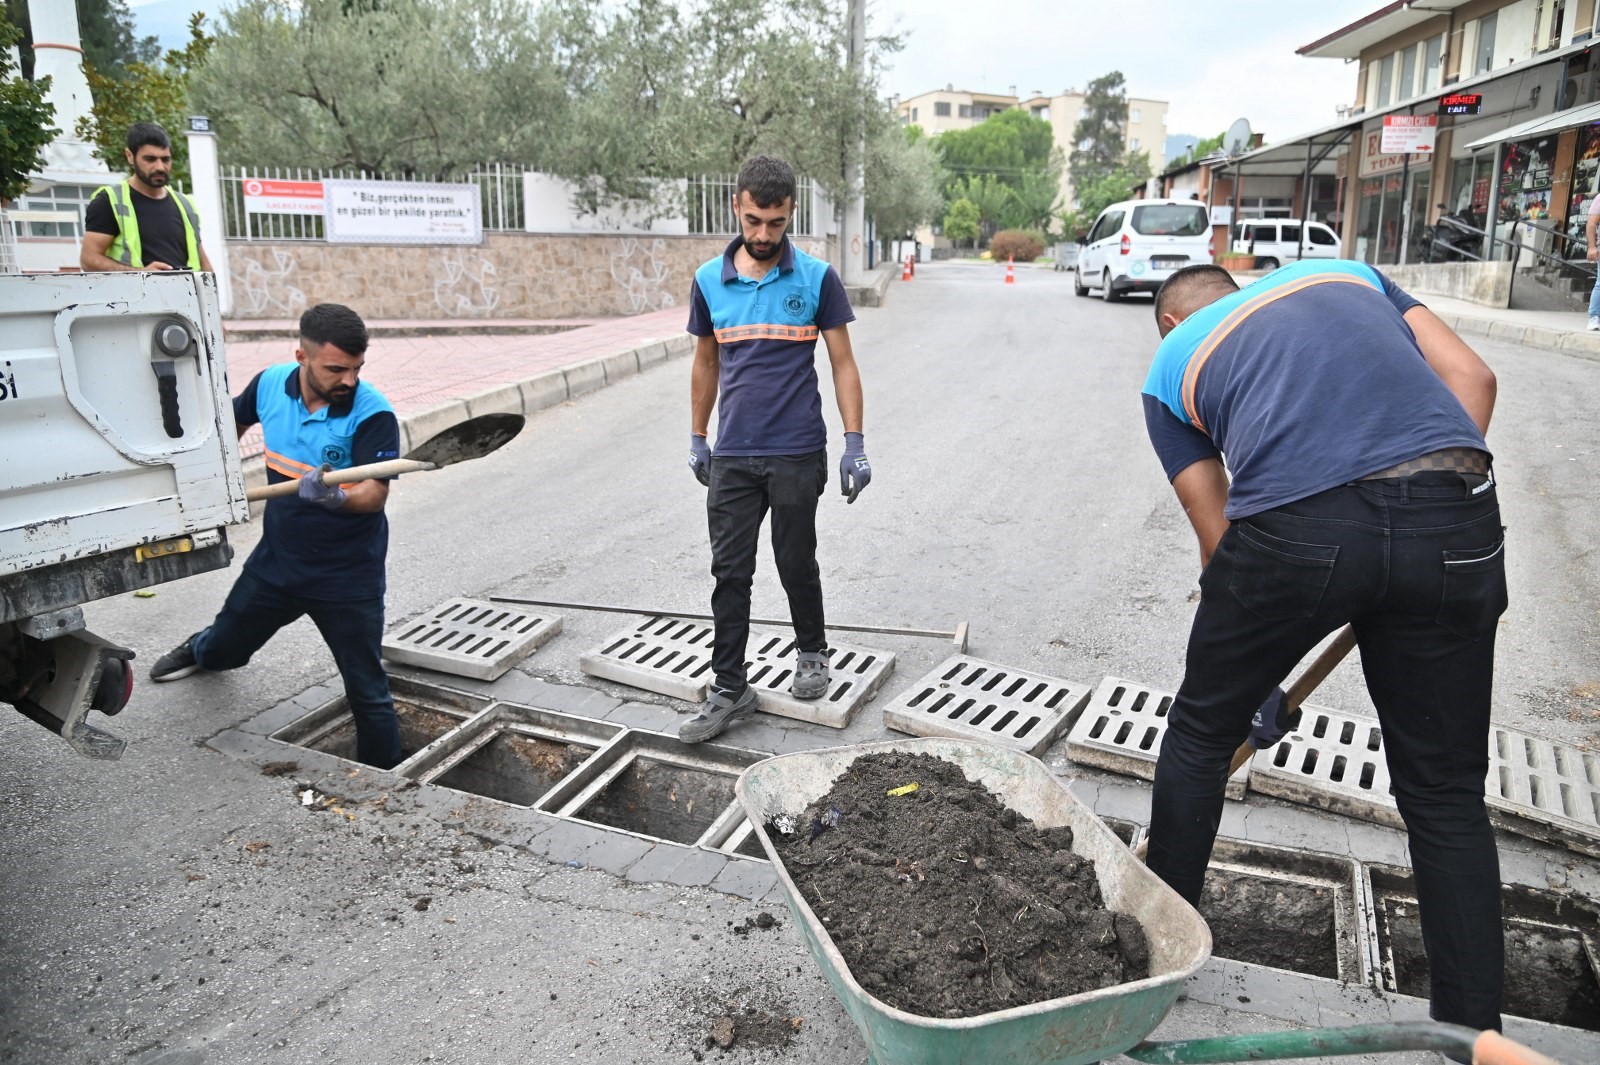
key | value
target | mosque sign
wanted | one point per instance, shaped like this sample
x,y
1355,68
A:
x,y
267,196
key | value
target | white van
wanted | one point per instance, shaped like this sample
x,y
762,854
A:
x,y
1275,241
1136,245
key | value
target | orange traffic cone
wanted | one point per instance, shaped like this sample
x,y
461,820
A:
x,y
905,271
1011,273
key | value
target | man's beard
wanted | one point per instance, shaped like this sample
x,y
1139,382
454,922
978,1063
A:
x,y
154,178
333,395
764,254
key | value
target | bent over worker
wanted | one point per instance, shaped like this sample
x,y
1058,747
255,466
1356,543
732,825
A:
x,y
322,550
1357,489
757,311
140,223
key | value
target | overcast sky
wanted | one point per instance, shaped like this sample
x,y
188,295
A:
x,y
1213,61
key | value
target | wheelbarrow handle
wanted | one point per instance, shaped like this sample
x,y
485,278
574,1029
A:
x,y
1485,1048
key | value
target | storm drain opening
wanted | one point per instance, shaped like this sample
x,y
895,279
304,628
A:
x,y
654,786
1285,908
426,713
514,766
1552,951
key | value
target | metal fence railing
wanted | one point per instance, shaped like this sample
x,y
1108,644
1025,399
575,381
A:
x,y
708,201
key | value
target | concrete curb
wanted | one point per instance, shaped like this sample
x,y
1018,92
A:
x,y
1583,345
872,292
546,389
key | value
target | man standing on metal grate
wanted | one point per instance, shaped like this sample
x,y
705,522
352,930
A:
x,y
757,311
1357,490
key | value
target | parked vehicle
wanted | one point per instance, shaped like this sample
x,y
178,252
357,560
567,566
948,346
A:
x,y
1136,245
1453,239
1275,241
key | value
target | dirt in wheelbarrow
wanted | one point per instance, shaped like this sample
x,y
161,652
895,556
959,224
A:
x,y
947,903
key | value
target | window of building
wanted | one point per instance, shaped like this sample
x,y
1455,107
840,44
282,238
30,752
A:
x,y
1408,74
913,114
1133,114
1385,81
965,110
1483,55
1133,145
1432,55
1042,112
72,198
941,109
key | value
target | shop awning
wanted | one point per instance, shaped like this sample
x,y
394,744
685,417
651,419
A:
x,y
1581,115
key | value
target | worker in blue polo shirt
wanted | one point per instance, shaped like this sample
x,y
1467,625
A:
x,y
322,550
1357,489
757,311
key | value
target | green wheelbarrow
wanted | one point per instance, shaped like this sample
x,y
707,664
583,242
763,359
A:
x,y
1079,1029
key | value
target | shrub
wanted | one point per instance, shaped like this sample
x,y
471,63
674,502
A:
x,y
1016,243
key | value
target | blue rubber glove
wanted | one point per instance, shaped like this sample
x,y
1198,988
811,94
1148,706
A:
x,y
854,471
700,458
1272,722
313,490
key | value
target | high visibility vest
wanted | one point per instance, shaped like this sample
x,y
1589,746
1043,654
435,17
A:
x,y
126,248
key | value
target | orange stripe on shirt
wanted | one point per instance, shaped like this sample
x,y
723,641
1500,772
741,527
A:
x,y
798,333
285,460
1191,375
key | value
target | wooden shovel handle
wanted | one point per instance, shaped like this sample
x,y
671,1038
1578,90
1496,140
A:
x,y
391,468
1492,1048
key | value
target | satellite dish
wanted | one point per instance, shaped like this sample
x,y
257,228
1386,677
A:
x,y
1237,140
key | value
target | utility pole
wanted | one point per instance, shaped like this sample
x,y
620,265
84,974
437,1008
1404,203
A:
x,y
853,223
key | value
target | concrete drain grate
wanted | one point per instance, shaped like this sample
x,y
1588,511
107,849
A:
x,y
1121,729
672,657
470,638
1335,762
1544,789
668,656
969,698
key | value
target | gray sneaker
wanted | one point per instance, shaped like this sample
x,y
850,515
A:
x,y
810,675
717,713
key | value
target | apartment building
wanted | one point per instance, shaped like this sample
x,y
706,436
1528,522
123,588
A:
x,y
951,108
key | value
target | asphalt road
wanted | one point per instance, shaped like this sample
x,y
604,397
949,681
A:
x,y
180,908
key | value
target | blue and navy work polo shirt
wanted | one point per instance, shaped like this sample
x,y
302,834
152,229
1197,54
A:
x,y
767,330
1307,379
307,549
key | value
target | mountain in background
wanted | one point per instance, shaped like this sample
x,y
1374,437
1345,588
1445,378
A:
x,y
168,20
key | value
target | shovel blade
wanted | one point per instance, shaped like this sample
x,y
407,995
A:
x,y
471,439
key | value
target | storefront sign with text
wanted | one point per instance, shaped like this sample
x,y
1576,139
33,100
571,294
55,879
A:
x,y
1409,133
1374,160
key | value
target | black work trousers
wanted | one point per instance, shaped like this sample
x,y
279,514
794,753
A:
x,y
743,489
1418,566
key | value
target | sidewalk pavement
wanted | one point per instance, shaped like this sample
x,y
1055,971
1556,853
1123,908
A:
x,y
1563,331
437,373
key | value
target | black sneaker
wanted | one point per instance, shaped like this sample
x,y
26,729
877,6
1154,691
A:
x,y
717,713
176,663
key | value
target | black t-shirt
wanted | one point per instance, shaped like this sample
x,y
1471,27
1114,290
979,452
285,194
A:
x,y
161,235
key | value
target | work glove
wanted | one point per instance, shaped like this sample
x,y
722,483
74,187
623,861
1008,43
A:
x,y
700,458
1272,722
854,471
314,490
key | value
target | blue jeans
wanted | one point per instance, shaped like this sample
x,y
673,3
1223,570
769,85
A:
x,y
743,489
1418,566
353,629
1594,301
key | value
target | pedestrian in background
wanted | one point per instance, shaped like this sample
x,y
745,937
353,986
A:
x,y
1357,490
1593,256
140,223
322,550
757,311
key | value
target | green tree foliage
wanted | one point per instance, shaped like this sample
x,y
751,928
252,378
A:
x,y
1104,191
987,193
1004,147
25,121
961,221
105,29
145,93
1032,202
904,180
415,87
1098,140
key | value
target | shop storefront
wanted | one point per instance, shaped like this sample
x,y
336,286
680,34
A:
x,y
1393,189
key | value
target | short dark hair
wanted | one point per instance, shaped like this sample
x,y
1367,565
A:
x,y
768,179
1183,289
336,324
143,133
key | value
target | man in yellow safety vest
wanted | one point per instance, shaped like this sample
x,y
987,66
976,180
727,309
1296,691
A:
x,y
141,224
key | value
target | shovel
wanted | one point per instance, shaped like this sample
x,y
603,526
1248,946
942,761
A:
x,y
1298,692
471,439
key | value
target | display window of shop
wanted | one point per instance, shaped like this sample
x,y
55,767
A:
x,y
1380,219
1585,182
1470,181
1527,172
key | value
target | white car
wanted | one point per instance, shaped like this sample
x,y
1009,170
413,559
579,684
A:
x,y
1275,241
1136,245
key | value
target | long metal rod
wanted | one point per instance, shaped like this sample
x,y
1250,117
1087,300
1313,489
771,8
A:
x,y
959,635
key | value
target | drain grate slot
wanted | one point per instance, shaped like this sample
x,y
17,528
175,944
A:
x,y
470,638
1334,761
1288,909
1121,728
854,676
1544,789
1552,951
668,656
970,698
